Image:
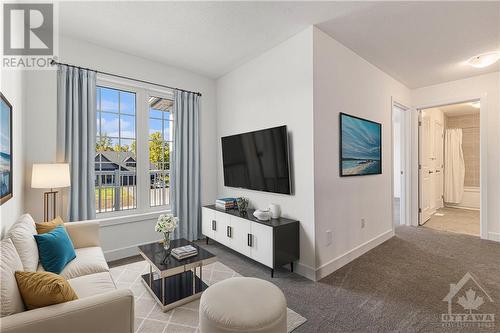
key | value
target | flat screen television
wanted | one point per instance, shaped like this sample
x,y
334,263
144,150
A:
x,y
257,160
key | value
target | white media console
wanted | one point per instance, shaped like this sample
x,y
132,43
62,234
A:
x,y
272,243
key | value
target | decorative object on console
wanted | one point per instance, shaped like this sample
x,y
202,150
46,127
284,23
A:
x,y
262,215
360,146
225,203
275,211
51,176
5,150
166,224
242,204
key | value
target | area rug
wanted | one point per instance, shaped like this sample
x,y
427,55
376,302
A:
x,y
150,318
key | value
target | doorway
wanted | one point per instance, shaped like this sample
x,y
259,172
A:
x,y
449,168
400,140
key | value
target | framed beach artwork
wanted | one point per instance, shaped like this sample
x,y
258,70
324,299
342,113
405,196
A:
x,y
5,149
360,146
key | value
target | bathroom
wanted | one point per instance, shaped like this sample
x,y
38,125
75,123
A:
x,y
450,174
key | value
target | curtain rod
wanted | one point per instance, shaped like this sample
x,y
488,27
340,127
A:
x,y
53,62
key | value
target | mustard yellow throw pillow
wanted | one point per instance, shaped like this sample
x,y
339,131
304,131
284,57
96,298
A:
x,y
43,227
39,289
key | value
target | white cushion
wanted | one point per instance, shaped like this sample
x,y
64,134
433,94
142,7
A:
x,y
242,304
21,233
93,284
89,260
10,298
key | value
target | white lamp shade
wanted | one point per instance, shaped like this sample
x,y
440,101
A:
x,y
50,175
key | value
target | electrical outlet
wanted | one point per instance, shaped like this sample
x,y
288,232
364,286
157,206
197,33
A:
x,y
329,238
363,223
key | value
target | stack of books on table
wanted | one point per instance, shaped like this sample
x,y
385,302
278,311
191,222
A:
x,y
225,203
184,252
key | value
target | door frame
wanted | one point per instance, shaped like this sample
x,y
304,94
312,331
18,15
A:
x,y
405,201
483,208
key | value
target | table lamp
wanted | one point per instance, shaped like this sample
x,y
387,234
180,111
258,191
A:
x,y
50,176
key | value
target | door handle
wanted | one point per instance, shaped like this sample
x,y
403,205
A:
x,y
438,171
214,225
249,240
229,232
431,171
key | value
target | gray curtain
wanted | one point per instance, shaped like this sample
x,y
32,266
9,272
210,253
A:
x,y
185,166
76,135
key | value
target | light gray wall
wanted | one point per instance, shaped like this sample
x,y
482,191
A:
x,y
40,127
11,86
345,82
275,89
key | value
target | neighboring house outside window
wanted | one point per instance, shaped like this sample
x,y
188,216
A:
x,y
123,181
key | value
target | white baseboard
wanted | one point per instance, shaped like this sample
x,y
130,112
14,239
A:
x,y
349,256
494,236
305,271
125,252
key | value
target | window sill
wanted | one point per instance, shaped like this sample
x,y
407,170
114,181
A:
x,y
131,218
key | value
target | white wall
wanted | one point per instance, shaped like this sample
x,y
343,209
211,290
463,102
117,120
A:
x,y
344,82
11,86
276,89
487,85
40,128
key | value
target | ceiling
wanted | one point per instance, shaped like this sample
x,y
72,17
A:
x,y
418,43
461,109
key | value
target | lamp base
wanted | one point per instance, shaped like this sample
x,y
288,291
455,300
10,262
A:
x,y
49,199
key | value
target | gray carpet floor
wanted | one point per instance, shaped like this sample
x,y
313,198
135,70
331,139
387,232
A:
x,y
397,287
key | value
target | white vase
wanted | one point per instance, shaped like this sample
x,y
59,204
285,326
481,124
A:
x,y
275,211
166,240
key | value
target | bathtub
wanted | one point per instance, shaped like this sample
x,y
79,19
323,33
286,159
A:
x,y
470,200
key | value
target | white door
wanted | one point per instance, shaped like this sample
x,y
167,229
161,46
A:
x,y
438,165
223,228
426,164
262,244
240,235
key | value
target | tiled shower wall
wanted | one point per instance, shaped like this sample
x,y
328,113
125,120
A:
x,y
470,145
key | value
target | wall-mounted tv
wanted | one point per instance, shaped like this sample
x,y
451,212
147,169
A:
x,y
257,160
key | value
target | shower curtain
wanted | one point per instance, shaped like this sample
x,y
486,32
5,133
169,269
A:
x,y
454,167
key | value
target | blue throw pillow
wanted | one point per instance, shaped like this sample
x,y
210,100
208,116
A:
x,y
55,249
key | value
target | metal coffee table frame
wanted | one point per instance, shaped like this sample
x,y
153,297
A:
x,y
172,288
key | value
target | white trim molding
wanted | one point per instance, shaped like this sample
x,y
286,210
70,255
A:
x,y
127,251
483,98
305,270
349,256
494,236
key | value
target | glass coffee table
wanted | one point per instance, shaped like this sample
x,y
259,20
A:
x,y
174,282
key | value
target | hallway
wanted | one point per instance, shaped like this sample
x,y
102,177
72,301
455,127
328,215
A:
x,y
456,220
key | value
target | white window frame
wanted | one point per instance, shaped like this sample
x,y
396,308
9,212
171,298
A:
x,y
142,92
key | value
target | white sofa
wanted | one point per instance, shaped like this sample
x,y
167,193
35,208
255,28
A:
x,y
100,306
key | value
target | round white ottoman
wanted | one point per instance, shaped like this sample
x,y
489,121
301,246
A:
x,y
243,304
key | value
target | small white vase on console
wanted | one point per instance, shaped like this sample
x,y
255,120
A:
x,y
275,211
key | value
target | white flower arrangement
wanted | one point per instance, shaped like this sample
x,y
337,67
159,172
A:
x,y
166,223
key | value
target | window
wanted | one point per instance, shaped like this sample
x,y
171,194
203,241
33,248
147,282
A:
x,y
160,143
130,120
115,182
